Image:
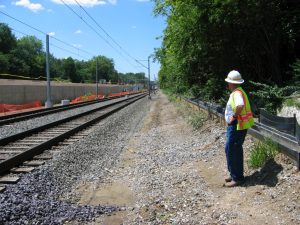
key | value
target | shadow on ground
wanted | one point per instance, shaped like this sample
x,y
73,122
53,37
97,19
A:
x,y
266,176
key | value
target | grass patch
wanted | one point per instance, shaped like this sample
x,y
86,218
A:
x,y
262,152
194,117
292,102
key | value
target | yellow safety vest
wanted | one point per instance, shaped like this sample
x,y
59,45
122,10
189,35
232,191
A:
x,y
245,119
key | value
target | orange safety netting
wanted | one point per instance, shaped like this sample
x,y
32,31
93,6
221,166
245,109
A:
x,y
93,97
9,107
86,98
118,94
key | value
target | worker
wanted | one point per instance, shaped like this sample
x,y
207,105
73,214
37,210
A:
x,y
239,118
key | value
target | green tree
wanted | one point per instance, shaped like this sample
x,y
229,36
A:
x,y
7,39
7,43
4,62
28,57
205,39
70,71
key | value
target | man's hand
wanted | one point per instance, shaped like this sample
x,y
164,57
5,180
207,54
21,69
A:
x,y
231,119
238,110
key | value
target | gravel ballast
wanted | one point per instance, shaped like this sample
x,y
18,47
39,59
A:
x,y
176,175
171,173
43,196
17,127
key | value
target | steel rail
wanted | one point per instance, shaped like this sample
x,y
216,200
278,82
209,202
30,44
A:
x,y
14,137
45,111
287,144
29,153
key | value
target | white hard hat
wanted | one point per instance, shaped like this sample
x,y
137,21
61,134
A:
x,y
234,77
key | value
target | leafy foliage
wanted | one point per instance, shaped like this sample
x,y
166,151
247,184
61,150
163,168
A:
x,y
270,97
25,57
295,73
205,39
292,103
262,152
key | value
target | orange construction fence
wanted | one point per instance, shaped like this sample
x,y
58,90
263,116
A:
x,y
10,107
93,97
118,94
86,98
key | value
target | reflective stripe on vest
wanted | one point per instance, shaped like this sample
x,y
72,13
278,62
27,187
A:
x,y
245,119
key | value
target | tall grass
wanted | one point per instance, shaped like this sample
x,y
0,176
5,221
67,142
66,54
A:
x,y
193,116
262,152
291,102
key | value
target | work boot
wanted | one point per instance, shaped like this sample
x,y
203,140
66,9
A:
x,y
228,179
233,183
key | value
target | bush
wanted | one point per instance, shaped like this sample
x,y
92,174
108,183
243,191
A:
x,y
270,97
292,102
295,73
196,119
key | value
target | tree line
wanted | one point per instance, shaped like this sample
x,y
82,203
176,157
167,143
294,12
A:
x,y
205,39
25,57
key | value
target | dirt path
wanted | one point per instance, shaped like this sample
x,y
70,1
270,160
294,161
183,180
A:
x,y
170,174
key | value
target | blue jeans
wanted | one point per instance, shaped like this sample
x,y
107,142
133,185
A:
x,y
234,152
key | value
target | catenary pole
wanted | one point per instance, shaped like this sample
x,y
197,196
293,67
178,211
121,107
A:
x,y
97,89
48,103
149,97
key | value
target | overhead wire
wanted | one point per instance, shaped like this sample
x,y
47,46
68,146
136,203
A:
x,y
108,34
68,51
44,33
95,31
52,44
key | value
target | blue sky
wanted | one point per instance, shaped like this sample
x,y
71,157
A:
x,y
130,29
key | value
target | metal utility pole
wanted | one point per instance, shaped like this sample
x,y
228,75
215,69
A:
x,y
149,84
48,103
97,79
149,97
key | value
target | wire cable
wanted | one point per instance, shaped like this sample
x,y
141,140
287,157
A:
x,y
95,31
73,53
107,33
44,33
101,35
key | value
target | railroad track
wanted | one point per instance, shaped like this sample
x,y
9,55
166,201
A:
x,y
18,148
12,118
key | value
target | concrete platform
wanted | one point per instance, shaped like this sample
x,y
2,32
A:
x,y
24,91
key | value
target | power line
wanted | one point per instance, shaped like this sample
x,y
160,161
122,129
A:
x,y
67,50
93,29
51,44
44,33
19,32
23,23
106,32
71,46
103,31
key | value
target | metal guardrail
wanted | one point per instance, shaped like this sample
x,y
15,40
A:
x,y
285,131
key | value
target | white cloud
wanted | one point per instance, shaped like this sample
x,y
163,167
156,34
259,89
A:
x,y
77,45
2,6
78,31
86,3
113,2
51,33
133,27
35,7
